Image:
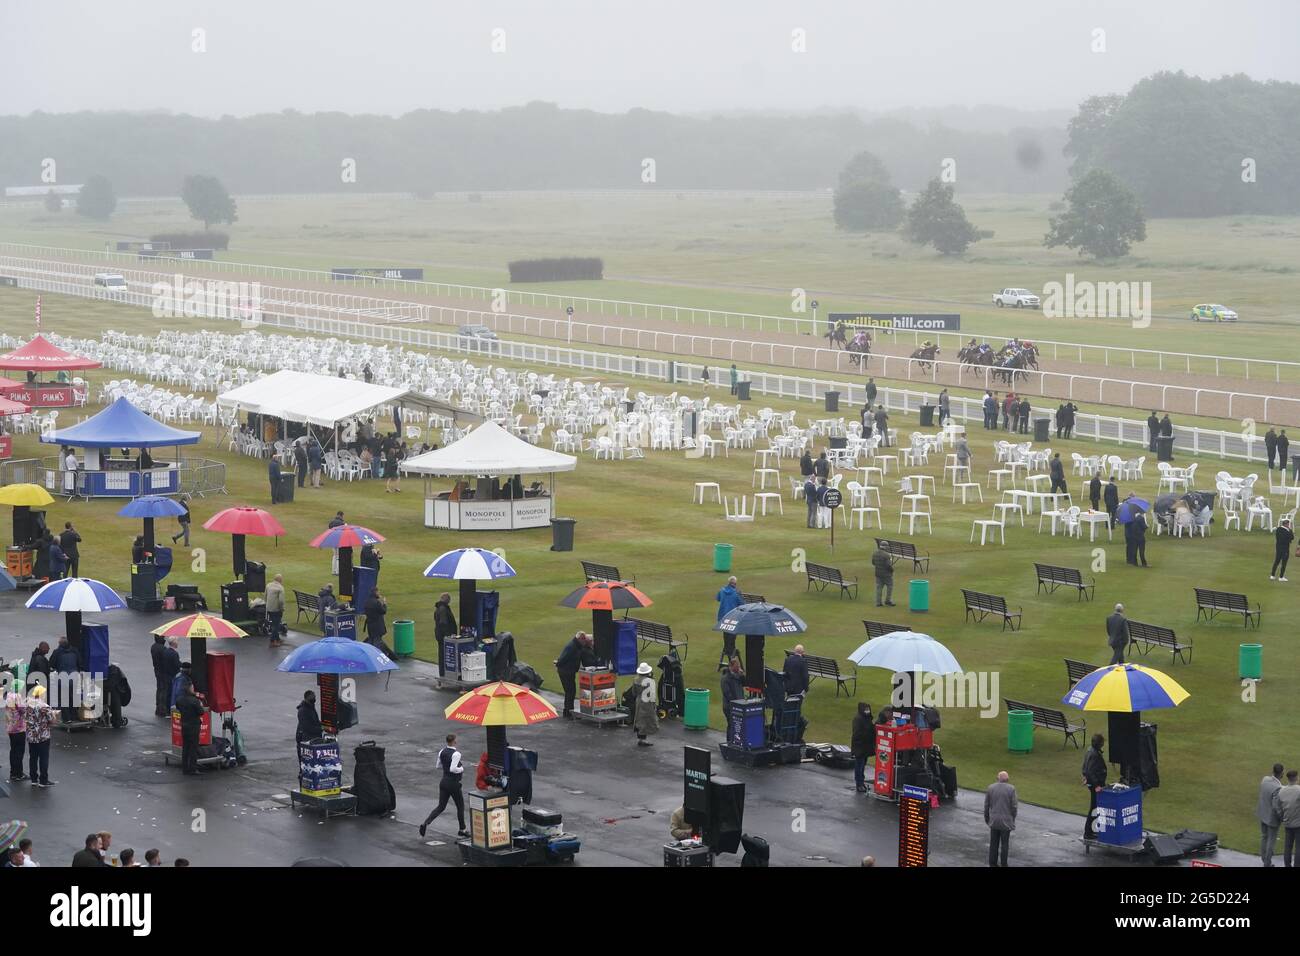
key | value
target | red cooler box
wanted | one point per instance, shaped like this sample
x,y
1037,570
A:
x,y
221,681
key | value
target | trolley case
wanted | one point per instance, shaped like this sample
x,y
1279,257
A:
x,y
374,793
549,823
675,855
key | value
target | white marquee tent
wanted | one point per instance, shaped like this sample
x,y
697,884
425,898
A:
x,y
325,401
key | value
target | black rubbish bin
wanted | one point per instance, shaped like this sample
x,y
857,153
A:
x,y
1042,429
742,391
1165,448
839,441
286,487
927,416
562,533
832,401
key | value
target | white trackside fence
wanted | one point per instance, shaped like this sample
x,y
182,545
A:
x,y
348,316
1110,356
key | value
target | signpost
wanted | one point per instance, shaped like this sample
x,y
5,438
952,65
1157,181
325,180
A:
x,y
914,827
832,501
569,313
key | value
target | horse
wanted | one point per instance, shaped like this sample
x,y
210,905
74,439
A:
x,y
859,348
925,357
837,337
1009,368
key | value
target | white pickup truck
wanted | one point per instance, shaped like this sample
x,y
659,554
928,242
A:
x,y
1017,298
114,282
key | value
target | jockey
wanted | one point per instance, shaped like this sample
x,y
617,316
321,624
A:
x,y
927,344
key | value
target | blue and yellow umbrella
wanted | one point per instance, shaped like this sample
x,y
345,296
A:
x,y
1125,688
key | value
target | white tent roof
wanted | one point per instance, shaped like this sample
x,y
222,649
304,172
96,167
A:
x,y
489,450
323,399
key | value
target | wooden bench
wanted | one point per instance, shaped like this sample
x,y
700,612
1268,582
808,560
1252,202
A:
x,y
1076,671
1053,577
651,632
821,575
603,572
752,598
1153,635
980,605
877,628
904,550
1210,603
308,604
1050,719
829,668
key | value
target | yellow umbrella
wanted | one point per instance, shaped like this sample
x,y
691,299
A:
x,y
500,704
200,627
26,495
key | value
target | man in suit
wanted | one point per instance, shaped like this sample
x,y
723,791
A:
x,y
273,473
1283,446
795,672
1000,807
882,425
1269,819
1110,495
1135,540
1094,491
1024,416
1117,634
1094,778
1270,446
68,541
1153,431
822,466
1057,471
1286,801
810,499
871,391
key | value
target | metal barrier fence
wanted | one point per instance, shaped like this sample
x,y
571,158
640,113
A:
x,y
22,471
1106,355
1122,431
197,476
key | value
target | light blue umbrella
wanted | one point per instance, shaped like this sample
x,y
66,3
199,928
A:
x,y
151,506
469,565
336,655
72,596
904,651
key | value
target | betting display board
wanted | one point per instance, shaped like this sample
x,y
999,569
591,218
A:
x,y
914,827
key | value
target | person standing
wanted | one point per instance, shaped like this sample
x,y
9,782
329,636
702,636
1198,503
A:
x,y
823,512
444,625
169,666
806,467
962,448
1025,409
300,462
1283,447
822,466
156,652
1000,806
862,744
58,558
645,705
16,725
1111,497
1269,818
392,477
190,706
39,663
733,686
183,521
375,610
1270,446
577,654
884,568
728,600
38,717
1135,536
273,474
68,541
1282,538
1286,802
315,461
1153,431
1094,491
871,391
451,761
795,672
1007,404
990,403
275,608
1117,634
66,662
1167,427
1094,778
735,377
309,727
1057,472
810,499
1071,416
882,425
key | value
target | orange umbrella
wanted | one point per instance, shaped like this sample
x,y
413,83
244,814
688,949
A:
x,y
500,704
605,596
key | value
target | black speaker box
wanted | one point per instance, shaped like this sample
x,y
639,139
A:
x,y
726,815
1164,848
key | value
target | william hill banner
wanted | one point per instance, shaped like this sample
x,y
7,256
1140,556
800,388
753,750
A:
x,y
416,275
899,321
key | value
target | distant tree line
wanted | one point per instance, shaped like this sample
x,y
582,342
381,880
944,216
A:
x,y
537,146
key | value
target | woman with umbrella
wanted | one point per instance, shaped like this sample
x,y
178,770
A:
x,y
644,703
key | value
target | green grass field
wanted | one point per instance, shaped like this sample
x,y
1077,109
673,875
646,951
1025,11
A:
x,y
1213,749
747,256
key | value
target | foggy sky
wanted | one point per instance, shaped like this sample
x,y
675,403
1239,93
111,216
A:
x,y
392,56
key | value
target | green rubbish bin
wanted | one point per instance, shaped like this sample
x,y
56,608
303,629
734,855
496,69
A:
x,y
695,716
918,595
1250,661
1020,731
404,638
722,557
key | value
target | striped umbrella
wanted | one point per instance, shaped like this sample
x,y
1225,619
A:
x,y
203,627
500,704
344,538
1125,688
11,832
469,566
605,596
76,595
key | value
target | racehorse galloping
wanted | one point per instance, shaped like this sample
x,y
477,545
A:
x,y
1009,368
837,337
859,348
926,356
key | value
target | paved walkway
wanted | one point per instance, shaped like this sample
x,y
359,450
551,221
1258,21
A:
x,y
615,796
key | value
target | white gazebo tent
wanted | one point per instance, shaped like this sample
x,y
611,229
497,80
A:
x,y
488,453
325,401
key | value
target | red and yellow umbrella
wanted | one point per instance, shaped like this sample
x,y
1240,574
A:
x,y
500,704
202,627
605,596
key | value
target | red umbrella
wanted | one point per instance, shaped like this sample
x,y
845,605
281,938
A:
x,y
238,522
602,598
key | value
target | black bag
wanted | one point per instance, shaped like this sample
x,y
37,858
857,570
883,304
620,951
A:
x,y
525,676
1163,848
757,851
375,794
834,755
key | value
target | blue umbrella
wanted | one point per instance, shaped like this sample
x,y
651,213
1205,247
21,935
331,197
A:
x,y
468,565
761,618
1130,507
72,596
336,655
151,506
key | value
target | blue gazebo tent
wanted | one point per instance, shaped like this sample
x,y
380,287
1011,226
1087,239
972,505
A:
x,y
123,426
